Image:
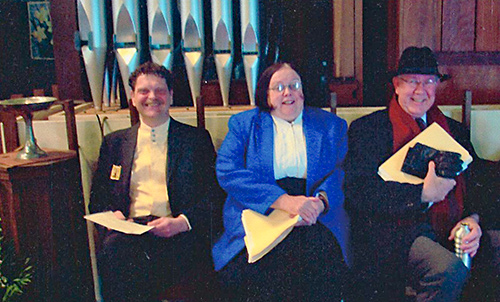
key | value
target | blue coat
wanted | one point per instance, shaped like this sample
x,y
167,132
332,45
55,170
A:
x,y
245,171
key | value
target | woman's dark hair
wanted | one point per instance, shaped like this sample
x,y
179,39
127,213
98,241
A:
x,y
263,85
152,69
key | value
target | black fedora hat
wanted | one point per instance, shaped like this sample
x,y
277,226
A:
x,y
415,60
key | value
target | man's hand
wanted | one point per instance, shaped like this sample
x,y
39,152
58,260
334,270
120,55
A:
x,y
470,242
436,188
119,215
168,227
309,208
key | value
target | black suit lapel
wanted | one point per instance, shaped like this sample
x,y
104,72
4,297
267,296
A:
x,y
128,150
174,147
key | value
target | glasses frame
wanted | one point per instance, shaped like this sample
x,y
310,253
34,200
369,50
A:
x,y
431,82
282,87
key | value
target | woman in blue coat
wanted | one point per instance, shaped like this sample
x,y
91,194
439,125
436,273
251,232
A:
x,y
283,155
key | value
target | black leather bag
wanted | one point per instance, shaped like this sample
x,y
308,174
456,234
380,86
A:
x,y
448,164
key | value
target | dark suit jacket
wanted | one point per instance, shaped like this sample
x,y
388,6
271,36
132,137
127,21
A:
x,y
375,206
191,182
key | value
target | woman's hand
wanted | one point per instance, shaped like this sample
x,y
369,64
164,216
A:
x,y
309,208
470,242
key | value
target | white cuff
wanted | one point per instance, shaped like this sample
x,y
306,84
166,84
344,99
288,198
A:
x,y
187,221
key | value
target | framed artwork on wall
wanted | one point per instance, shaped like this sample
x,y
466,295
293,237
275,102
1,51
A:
x,y
40,23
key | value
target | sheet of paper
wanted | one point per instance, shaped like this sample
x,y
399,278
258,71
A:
x,y
433,136
109,220
263,232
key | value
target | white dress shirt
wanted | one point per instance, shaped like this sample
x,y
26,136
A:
x,y
148,183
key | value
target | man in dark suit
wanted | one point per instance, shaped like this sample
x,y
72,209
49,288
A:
x,y
161,173
403,233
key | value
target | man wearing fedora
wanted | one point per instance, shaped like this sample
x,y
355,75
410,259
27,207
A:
x,y
402,234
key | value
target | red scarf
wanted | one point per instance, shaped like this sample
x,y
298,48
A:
x,y
446,213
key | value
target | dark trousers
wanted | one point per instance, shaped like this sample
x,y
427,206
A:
x,y
433,271
137,268
484,284
305,266
438,275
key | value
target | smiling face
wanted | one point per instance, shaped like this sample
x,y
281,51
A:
x,y
152,98
415,100
289,103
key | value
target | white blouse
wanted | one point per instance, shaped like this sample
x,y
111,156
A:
x,y
290,156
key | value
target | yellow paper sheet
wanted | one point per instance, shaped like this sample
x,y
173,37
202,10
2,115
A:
x,y
263,233
433,136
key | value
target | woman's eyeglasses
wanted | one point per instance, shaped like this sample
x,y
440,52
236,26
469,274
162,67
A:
x,y
294,86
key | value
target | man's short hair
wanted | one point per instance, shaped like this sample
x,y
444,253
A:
x,y
152,69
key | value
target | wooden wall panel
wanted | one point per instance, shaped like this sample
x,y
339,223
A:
x,y
488,25
347,52
343,38
358,43
420,23
483,81
464,34
67,58
393,47
458,25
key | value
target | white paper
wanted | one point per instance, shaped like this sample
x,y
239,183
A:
x,y
109,220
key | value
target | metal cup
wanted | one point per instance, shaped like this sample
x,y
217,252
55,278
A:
x,y
459,235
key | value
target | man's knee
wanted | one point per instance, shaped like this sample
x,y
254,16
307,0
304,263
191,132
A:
x,y
455,273
437,266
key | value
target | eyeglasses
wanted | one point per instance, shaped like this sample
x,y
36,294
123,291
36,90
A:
x,y
293,86
431,82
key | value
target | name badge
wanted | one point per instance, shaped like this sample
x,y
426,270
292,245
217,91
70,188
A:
x,y
116,172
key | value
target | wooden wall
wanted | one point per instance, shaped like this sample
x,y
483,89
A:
x,y
465,36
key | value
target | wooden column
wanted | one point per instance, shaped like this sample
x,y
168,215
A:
x,y
348,51
343,38
67,59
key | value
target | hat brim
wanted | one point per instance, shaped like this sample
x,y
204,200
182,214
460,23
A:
x,y
442,77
